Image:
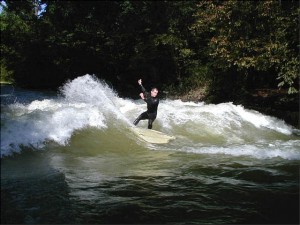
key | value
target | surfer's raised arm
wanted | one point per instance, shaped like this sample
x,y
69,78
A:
x,y
142,87
145,94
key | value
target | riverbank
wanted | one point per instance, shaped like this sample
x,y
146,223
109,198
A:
x,y
6,83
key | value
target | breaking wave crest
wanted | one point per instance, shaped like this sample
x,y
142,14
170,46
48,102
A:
x,y
200,128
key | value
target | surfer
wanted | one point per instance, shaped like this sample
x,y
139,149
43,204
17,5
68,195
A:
x,y
152,104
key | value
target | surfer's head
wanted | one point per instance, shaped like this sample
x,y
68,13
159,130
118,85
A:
x,y
154,92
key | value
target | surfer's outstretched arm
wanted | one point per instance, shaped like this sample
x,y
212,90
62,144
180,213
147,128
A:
x,y
142,87
146,94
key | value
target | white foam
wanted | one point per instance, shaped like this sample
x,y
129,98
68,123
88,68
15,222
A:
x,y
52,123
64,122
222,117
87,102
289,152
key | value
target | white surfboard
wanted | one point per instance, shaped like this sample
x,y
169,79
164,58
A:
x,y
152,136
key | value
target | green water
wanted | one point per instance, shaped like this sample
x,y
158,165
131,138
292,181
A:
x,y
73,159
90,181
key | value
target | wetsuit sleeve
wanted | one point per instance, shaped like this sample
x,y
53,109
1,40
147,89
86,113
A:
x,y
144,91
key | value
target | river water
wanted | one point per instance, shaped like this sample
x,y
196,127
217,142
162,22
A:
x,y
71,157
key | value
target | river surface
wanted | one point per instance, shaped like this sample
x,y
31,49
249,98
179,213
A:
x,y
71,157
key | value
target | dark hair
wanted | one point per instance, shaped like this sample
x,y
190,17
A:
x,y
154,88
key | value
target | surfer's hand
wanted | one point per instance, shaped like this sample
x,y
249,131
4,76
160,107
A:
x,y
140,81
142,95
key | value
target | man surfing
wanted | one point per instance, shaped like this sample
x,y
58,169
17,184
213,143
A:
x,y
152,104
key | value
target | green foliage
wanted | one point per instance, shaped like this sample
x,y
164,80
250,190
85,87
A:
x,y
6,75
177,45
289,72
14,33
251,36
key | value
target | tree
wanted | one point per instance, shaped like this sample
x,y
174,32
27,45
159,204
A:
x,y
248,36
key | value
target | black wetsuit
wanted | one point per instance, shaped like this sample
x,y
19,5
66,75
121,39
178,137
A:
x,y
150,114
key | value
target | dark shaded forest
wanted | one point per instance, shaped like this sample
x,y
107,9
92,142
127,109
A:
x,y
240,51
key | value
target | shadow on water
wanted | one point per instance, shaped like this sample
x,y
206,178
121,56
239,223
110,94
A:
x,y
184,200
33,192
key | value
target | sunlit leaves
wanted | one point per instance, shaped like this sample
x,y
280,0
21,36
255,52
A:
x,y
250,35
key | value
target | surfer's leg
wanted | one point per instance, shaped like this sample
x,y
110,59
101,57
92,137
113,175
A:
x,y
137,120
143,116
151,119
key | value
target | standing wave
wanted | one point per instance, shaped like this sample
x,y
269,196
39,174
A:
x,y
84,102
200,128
